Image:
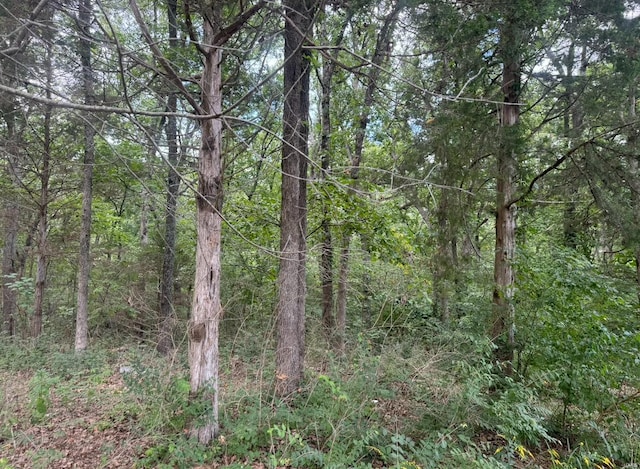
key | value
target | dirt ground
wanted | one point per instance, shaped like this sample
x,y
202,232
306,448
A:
x,y
77,431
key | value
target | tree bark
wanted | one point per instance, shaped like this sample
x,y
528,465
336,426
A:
x,y
293,217
9,264
10,224
206,310
634,176
84,257
9,109
326,258
43,216
167,311
503,327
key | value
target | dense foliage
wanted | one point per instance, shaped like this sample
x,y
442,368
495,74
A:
x,y
417,353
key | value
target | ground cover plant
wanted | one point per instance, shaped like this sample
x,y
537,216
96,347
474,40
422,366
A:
x,y
436,403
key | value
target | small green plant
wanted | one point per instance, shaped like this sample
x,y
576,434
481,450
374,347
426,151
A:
x,y
180,453
40,395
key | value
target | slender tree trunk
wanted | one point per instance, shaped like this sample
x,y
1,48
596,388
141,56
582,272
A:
x,y
326,259
9,269
502,330
167,311
206,310
10,224
634,176
293,218
326,278
341,312
11,210
84,258
43,220
573,123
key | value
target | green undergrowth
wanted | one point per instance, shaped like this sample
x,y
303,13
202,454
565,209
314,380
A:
x,y
391,404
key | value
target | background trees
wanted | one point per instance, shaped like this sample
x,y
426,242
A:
x,y
371,158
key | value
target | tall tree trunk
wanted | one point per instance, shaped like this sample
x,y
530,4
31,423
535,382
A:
x,y
167,311
293,218
85,16
326,258
634,176
10,261
43,205
10,224
573,123
9,110
502,329
206,310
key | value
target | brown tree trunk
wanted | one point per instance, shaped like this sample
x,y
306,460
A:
x,y
293,218
10,224
43,221
326,278
9,110
573,123
206,309
634,176
84,256
502,328
326,259
167,311
9,266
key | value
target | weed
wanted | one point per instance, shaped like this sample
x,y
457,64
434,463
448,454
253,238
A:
x,y
40,395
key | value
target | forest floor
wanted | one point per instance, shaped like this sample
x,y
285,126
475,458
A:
x,y
111,411
83,422
82,427
76,428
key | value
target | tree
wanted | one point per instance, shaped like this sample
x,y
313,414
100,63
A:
x,y
326,259
206,308
85,18
43,208
511,43
14,39
167,313
299,16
